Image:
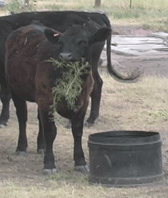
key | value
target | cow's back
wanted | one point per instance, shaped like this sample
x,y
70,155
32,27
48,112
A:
x,y
59,20
21,50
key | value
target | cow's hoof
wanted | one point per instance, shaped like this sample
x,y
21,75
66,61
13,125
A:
x,y
21,153
88,124
49,171
83,169
41,151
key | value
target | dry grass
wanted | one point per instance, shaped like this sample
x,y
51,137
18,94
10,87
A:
x,y
151,14
125,4
139,106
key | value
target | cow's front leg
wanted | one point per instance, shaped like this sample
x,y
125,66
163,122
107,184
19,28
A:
x,y
49,130
77,131
21,112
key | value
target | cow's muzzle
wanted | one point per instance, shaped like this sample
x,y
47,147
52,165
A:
x,y
66,56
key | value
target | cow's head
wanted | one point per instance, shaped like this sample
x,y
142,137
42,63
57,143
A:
x,y
76,40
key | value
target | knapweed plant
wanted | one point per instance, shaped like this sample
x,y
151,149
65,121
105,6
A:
x,y
69,86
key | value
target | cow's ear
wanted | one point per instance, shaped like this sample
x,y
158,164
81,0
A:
x,y
52,35
101,35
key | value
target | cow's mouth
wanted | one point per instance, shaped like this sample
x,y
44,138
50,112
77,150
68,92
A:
x,y
68,57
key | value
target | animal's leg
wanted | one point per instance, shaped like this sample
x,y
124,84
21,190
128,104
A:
x,y
5,96
96,93
95,98
77,131
49,136
40,138
21,112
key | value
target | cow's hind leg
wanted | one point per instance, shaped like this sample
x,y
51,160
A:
x,y
5,96
97,89
21,112
95,98
50,131
77,131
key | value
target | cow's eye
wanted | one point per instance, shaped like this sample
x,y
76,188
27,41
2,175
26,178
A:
x,y
60,43
84,43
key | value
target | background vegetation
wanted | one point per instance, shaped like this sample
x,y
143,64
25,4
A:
x,y
151,14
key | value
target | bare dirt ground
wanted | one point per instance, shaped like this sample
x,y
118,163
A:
x,y
149,64
20,174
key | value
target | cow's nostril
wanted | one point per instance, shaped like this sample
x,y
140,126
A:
x,y
70,56
60,56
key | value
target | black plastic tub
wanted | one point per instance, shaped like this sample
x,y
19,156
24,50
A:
x,y
125,158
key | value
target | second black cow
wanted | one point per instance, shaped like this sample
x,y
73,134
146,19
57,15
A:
x,y
31,78
59,21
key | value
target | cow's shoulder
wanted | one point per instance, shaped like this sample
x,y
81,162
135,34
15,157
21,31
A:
x,y
26,40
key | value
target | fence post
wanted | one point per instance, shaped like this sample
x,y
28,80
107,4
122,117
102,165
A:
x,y
97,3
130,4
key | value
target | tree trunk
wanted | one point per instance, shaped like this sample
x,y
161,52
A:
x,y
97,3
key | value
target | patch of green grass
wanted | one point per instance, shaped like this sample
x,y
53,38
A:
x,y
16,6
126,13
154,19
159,114
54,7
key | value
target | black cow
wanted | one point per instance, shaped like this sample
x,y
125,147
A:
x,y
31,77
59,21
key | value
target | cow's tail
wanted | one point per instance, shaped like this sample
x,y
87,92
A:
x,y
131,77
